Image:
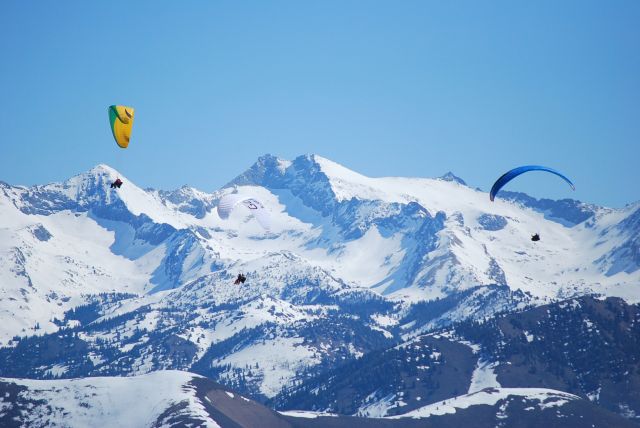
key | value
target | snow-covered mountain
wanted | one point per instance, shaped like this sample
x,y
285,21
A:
x,y
101,281
61,243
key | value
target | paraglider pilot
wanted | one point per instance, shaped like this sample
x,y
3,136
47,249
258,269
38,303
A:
x,y
240,279
116,183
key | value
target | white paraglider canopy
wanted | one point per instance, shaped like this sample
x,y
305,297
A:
x,y
229,202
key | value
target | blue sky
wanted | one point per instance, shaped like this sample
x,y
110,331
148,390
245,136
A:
x,y
385,88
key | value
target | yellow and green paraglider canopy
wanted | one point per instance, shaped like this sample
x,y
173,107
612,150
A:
x,y
121,120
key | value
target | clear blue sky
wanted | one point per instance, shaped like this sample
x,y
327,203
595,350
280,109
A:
x,y
385,88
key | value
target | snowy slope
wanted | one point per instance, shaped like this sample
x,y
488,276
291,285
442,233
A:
x,y
543,398
556,267
141,401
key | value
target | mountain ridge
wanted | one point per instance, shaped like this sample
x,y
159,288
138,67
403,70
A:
x,y
121,282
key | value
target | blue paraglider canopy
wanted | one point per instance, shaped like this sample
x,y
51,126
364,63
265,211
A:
x,y
510,175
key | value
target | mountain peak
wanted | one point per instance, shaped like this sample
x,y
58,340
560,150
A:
x,y
267,171
333,169
270,170
450,176
103,169
101,175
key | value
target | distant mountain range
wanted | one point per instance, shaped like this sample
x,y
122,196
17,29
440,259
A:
x,y
372,297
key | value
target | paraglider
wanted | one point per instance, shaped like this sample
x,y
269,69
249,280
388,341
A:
x,y
510,175
121,121
240,279
229,202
